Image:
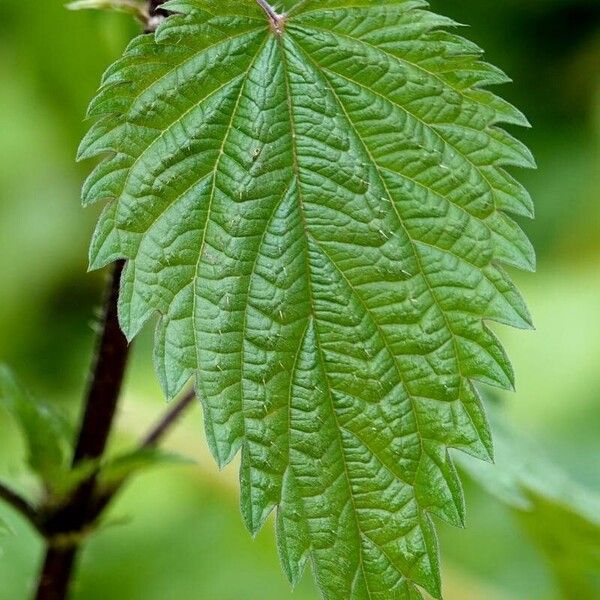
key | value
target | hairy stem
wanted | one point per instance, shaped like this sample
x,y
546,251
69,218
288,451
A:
x,y
156,434
64,527
106,380
150,440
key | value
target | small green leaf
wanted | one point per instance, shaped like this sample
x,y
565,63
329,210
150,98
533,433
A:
x,y
68,479
121,467
45,432
561,517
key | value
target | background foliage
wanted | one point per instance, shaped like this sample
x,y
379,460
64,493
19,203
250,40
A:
x,y
177,533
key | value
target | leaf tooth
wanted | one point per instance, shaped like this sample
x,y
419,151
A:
x,y
472,74
135,310
142,50
483,290
224,439
414,24
102,137
489,147
458,423
510,307
446,501
174,351
181,6
483,357
106,180
431,561
512,246
104,248
455,45
432,20
109,100
116,72
504,112
510,150
314,9
139,43
293,536
510,195
483,447
255,503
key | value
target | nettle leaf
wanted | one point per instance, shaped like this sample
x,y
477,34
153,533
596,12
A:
x,y
316,206
561,517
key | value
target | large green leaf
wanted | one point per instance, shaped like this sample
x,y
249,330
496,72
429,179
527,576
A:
x,y
316,207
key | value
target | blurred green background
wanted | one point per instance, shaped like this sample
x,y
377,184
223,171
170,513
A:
x,y
176,533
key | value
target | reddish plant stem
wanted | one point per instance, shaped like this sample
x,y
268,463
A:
x,y
57,571
156,434
65,525
65,528
150,440
106,381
